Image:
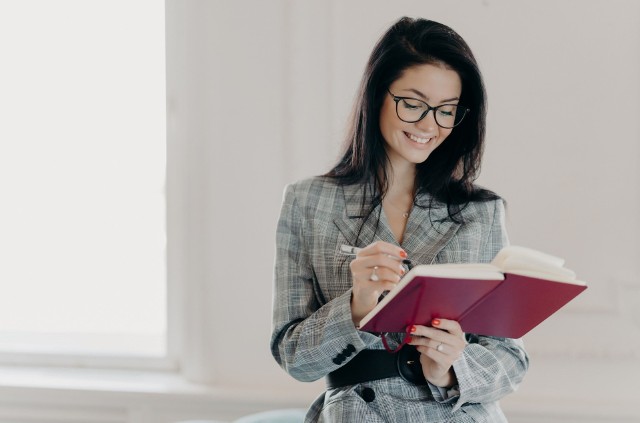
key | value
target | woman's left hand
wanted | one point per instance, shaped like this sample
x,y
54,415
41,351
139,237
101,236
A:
x,y
439,347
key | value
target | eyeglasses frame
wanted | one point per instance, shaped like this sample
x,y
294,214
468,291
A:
x,y
397,99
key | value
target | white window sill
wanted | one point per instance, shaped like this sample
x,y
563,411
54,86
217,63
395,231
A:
x,y
128,390
97,380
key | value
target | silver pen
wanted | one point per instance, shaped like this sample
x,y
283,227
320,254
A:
x,y
349,250
352,251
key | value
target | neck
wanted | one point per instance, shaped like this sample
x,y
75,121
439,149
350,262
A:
x,y
401,180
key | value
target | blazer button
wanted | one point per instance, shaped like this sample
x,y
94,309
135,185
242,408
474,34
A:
x,y
368,394
351,349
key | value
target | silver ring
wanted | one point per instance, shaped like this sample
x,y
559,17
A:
x,y
374,277
440,347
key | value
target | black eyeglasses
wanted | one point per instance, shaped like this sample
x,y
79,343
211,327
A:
x,y
412,110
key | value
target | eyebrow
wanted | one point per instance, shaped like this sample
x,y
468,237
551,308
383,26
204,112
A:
x,y
413,90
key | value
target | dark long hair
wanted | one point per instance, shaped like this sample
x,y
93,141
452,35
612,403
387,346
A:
x,y
449,172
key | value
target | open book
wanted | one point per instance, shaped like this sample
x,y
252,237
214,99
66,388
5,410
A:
x,y
507,298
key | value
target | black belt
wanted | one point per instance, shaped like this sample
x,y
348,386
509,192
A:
x,y
370,365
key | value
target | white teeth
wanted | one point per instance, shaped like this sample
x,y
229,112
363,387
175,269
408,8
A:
x,y
418,140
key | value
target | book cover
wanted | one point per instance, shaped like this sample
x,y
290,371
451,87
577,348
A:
x,y
482,298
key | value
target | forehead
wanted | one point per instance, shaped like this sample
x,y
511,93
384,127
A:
x,y
435,82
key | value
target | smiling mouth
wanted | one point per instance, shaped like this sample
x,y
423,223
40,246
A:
x,y
418,139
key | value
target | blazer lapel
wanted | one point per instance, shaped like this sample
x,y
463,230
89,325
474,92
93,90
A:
x,y
352,224
428,230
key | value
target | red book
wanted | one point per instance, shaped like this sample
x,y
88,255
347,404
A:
x,y
507,298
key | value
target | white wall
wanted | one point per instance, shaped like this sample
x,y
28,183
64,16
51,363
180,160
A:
x,y
258,96
562,78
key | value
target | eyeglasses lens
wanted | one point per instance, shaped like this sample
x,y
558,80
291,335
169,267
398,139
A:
x,y
412,110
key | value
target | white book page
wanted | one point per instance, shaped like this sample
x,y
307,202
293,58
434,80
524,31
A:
x,y
548,276
528,262
517,264
537,258
483,271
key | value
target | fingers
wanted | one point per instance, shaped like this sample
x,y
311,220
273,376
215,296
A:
x,y
444,341
450,326
441,328
387,268
439,346
435,349
376,268
383,248
383,258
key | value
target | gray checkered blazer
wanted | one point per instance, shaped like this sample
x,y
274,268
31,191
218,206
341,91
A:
x,y
312,323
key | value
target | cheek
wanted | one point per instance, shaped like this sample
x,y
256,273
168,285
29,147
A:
x,y
388,106
387,120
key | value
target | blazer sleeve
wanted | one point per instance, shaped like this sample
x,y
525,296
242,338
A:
x,y
309,339
490,367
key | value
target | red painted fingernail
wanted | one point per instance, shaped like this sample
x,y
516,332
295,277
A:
x,y
403,254
412,329
435,322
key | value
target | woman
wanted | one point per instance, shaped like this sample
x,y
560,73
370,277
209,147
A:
x,y
403,189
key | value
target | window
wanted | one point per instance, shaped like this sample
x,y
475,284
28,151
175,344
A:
x,y
82,174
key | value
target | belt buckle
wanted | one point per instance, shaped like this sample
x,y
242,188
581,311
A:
x,y
409,367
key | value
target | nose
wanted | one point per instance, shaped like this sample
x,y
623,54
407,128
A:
x,y
428,123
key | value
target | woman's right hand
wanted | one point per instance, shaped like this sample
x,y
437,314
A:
x,y
376,268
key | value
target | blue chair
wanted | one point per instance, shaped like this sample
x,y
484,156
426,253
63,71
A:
x,y
287,415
